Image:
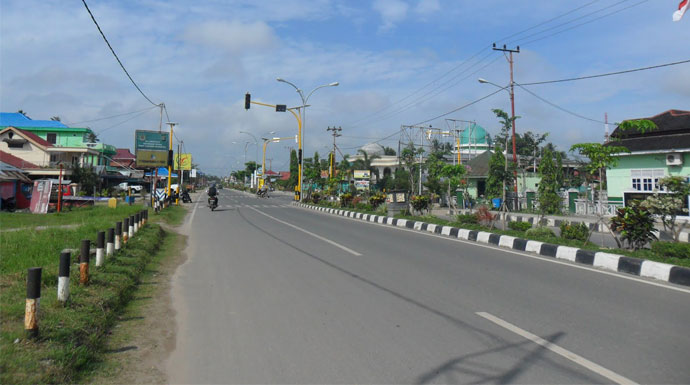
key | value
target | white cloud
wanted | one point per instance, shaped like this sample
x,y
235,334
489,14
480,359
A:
x,y
391,11
427,7
233,37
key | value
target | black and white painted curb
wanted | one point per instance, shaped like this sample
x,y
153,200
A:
x,y
662,271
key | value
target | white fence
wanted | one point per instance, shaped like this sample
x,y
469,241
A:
x,y
587,207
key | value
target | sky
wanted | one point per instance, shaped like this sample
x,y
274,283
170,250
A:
x,y
398,62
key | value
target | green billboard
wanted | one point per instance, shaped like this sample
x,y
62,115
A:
x,y
151,148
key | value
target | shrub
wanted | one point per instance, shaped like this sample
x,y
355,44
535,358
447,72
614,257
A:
x,y
376,199
634,225
671,249
467,218
316,197
540,231
346,200
579,231
363,207
484,216
420,202
520,226
355,201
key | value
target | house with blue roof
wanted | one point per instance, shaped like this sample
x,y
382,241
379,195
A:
x,y
60,135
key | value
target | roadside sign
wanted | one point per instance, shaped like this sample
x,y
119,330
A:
x,y
151,148
40,197
183,162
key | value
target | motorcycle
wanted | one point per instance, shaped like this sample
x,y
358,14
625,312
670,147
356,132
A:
x,y
262,194
213,203
185,197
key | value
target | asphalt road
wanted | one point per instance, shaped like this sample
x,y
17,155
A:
x,y
272,293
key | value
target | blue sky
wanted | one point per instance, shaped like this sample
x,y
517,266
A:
x,y
201,57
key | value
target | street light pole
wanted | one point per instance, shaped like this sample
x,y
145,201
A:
x,y
256,153
303,118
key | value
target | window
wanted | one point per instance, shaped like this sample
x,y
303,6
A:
x,y
52,137
646,179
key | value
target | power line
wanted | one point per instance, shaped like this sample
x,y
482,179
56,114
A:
x,y
461,107
584,23
607,74
114,54
467,61
122,122
113,116
559,107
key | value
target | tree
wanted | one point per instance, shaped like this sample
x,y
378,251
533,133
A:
x,y
410,157
434,164
294,170
497,174
388,151
600,158
668,205
551,174
86,177
250,167
453,174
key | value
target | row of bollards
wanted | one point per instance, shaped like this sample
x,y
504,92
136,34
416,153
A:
x,y
116,237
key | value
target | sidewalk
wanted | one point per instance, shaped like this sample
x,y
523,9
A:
x,y
601,235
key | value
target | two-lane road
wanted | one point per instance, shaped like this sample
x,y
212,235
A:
x,y
272,293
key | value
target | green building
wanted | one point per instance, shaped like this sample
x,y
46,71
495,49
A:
x,y
60,135
653,155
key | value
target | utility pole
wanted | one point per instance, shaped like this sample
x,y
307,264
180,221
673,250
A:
x,y
170,160
336,133
509,57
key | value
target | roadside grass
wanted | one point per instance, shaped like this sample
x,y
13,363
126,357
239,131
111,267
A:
x,y
71,335
79,215
642,254
173,215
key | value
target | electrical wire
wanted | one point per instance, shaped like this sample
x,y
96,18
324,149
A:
x,y
114,54
122,122
607,74
113,116
559,107
465,62
584,23
461,107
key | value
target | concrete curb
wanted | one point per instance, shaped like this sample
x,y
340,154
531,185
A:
x,y
661,271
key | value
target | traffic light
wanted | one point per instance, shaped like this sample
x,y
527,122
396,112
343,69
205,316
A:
x,y
281,108
247,101
170,158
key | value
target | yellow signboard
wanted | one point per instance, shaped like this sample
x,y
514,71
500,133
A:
x,y
183,162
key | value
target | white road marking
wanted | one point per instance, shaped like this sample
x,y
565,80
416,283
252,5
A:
x,y
336,244
598,369
546,259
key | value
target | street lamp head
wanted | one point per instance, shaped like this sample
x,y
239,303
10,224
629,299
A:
x,y
281,80
482,80
334,84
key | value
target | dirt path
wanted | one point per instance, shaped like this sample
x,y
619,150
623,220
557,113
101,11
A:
x,y
144,334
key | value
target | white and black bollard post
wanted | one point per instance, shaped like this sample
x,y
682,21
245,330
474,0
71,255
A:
x,y
131,226
110,245
100,248
125,230
84,262
33,297
118,235
63,277
136,223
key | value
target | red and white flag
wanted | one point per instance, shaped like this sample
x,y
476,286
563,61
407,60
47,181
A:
x,y
682,7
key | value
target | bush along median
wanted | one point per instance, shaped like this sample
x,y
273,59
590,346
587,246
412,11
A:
x,y
665,266
56,314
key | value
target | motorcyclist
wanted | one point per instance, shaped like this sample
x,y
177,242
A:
x,y
212,194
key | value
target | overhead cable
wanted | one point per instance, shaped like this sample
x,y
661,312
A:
x,y
607,74
559,107
461,107
114,54
113,116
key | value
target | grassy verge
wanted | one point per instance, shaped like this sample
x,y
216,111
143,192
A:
x,y
71,335
173,215
642,254
80,215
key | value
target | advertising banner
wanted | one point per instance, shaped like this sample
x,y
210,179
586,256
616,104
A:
x,y
41,196
362,184
183,162
151,148
192,174
362,174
